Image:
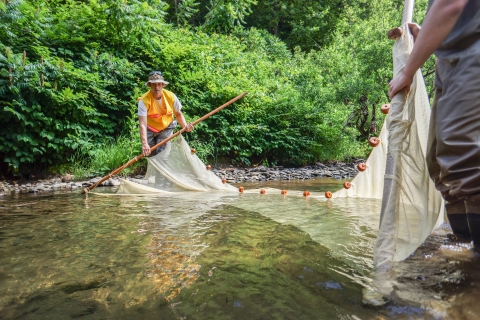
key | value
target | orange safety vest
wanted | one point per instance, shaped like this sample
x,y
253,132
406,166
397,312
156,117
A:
x,y
160,114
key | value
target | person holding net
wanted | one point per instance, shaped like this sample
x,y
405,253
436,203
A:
x,y
451,30
155,113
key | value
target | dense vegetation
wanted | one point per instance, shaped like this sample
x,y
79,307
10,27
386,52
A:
x,y
70,73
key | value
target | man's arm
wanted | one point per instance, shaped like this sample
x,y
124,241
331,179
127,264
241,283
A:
x,y
440,20
183,123
143,135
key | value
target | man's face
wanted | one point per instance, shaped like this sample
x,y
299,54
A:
x,y
156,89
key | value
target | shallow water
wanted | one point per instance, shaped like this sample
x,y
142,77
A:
x,y
217,256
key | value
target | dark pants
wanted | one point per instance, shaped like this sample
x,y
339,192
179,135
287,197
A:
x,y
155,138
453,151
453,154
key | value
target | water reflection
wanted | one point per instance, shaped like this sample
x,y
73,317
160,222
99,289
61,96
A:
x,y
215,256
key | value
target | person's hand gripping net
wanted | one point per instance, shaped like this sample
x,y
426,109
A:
x,y
404,79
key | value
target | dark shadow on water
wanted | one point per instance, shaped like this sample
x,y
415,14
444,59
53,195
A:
x,y
255,268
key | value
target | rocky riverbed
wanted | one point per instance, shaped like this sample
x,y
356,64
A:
x,y
336,170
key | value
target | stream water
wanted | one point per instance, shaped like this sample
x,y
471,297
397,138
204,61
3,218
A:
x,y
217,256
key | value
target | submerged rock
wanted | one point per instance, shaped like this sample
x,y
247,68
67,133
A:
x,y
329,285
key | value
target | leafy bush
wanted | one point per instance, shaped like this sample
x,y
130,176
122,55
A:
x,y
73,93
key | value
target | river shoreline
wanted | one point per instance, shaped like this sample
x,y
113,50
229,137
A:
x,y
335,170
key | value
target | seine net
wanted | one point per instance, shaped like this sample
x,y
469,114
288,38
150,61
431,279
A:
x,y
175,169
396,173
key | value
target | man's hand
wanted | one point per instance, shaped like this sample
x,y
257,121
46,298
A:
x,y
439,22
398,83
145,150
189,127
414,29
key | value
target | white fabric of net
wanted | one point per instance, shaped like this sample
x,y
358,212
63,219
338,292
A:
x,y
175,169
411,206
396,173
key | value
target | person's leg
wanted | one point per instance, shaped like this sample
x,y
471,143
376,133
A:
x,y
458,134
454,207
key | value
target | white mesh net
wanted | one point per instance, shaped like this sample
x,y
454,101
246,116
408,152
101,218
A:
x,y
411,206
175,169
396,173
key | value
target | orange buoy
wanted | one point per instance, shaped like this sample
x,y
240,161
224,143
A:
x,y
209,167
385,108
328,195
395,33
224,180
373,141
241,189
362,167
306,193
262,191
347,185
194,151
284,192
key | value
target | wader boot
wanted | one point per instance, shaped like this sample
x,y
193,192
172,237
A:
x,y
457,216
473,207
474,225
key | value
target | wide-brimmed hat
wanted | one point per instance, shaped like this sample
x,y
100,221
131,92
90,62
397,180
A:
x,y
156,77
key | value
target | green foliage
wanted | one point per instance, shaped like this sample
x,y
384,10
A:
x,y
224,15
311,97
303,23
104,157
63,95
185,10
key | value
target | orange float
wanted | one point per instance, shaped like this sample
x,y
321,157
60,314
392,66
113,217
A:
x,y
241,189
283,192
328,195
347,185
362,167
373,141
306,193
262,191
194,151
385,108
209,167
395,33
224,181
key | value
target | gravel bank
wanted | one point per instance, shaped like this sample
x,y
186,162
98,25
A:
x,y
336,170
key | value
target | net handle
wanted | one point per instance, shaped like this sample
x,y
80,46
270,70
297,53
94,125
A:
x,y
132,161
408,11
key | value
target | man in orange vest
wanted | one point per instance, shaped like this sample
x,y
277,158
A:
x,y
155,113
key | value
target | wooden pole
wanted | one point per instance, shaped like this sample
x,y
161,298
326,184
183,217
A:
x,y
132,161
408,11
396,33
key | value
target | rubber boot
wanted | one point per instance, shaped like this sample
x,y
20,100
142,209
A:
x,y
460,226
474,226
